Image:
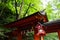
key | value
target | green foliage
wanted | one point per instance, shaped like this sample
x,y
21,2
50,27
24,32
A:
x,y
6,14
51,36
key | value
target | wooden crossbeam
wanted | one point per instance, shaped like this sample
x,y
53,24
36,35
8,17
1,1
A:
x,y
52,26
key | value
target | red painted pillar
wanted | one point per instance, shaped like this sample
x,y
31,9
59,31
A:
x,y
36,37
59,34
19,36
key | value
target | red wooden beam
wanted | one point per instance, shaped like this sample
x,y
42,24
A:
x,y
52,26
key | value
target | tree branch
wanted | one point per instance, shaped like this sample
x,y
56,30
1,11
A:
x,y
16,10
27,9
21,7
